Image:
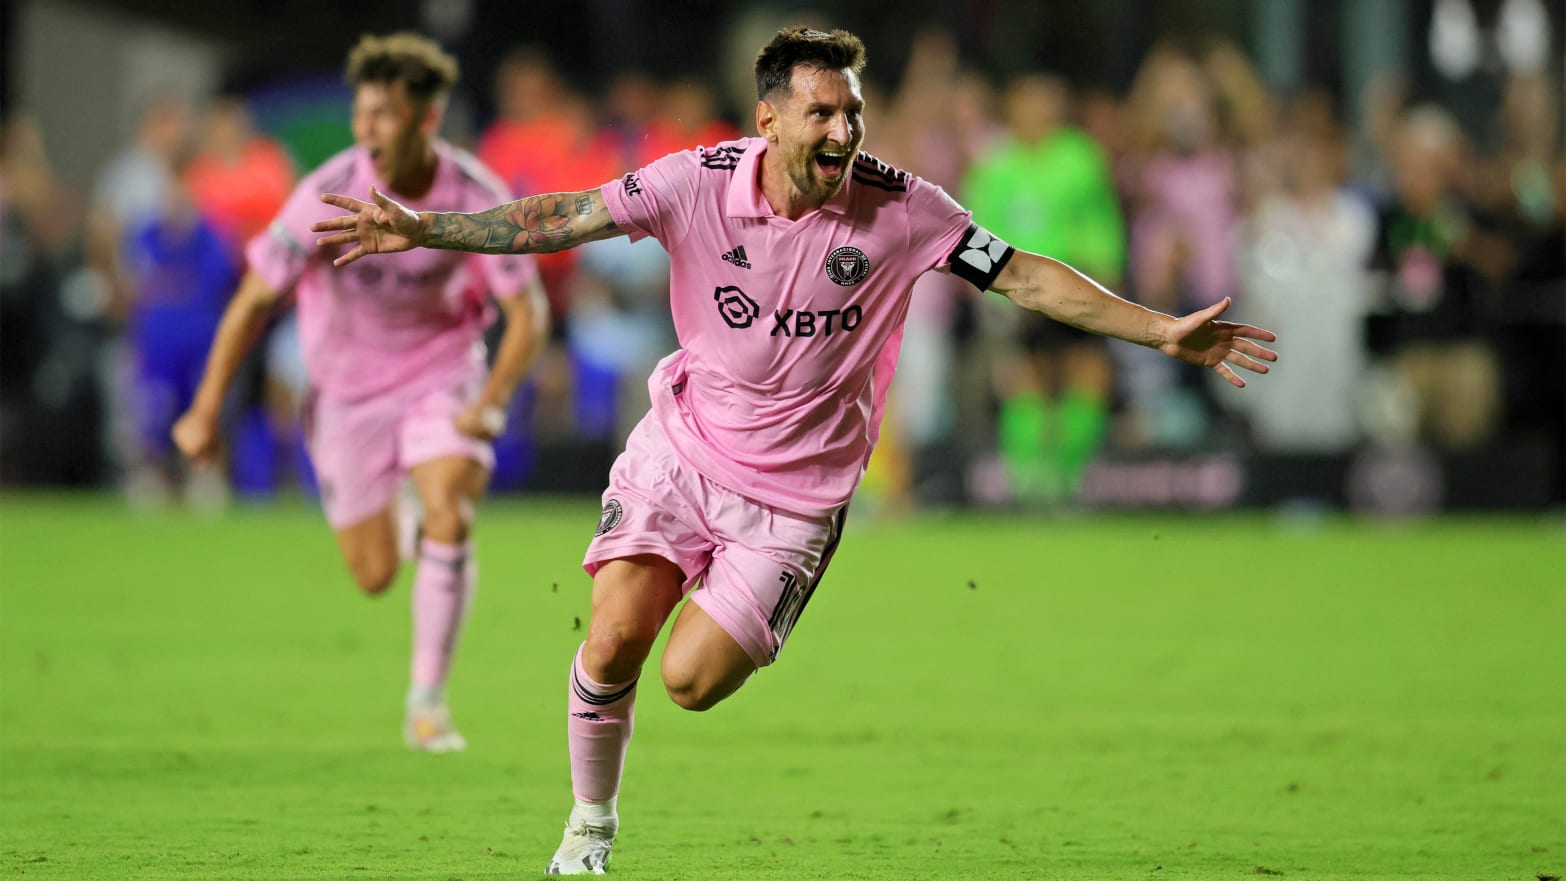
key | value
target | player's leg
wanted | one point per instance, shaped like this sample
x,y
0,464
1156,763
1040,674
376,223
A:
x,y
753,593
354,450
702,664
1088,381
151,398
449,471
369,547
643,558
632,598
444,584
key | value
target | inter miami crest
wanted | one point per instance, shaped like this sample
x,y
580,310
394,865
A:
x,y
847,265
610,517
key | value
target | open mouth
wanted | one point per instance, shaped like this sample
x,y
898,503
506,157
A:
x,y
832,163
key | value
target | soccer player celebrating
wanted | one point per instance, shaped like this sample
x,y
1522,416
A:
x,y
395,357
792,257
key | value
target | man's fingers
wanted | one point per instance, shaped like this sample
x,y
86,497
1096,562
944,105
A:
x,y
1255,333
1254,350
1240,360
349,257
1213,311
1227,373
347,221
342,238
347,203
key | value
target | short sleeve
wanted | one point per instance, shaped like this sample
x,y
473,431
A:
x,y
280,253
656,200
942,233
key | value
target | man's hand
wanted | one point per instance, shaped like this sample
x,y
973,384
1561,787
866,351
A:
x,y
1199,338
481,421
381,226
196,435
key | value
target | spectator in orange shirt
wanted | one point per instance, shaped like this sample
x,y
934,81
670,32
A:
x,y
239,178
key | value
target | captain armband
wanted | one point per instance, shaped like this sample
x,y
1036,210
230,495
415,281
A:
x,y
979,258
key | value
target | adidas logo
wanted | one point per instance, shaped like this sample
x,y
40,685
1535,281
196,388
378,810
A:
x,y
737,257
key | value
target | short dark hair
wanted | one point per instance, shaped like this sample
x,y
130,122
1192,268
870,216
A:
x,y
408,58
794,46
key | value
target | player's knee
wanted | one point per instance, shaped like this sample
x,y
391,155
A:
x,y
692,688
447,521
615,654
689,694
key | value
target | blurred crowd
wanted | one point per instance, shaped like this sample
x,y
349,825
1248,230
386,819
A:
x,y
1409,257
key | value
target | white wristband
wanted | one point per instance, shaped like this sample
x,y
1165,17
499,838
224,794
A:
x,y
493,419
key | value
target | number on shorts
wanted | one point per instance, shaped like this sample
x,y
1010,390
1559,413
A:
x,y
790,605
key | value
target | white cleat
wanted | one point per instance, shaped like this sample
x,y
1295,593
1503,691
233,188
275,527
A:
x,y
585,848
429,728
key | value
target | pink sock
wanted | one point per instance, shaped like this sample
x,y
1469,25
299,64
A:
x,y
598,730
442,590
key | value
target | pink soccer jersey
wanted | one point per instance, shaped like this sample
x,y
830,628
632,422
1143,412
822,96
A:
x,y
789,329
408,320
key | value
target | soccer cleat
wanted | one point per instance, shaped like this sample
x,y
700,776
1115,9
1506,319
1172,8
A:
x,y
584,850
429,728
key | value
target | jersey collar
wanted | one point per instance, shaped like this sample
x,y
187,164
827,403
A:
x,y
745,198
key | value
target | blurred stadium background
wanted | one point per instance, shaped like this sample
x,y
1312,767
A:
x,y
1381,182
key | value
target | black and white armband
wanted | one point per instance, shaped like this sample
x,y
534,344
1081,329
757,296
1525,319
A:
x,y
979,257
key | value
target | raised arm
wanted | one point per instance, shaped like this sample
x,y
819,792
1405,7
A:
x,y
1052,288
534,225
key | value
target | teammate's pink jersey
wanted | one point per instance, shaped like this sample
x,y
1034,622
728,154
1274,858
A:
x,y
789,329
413,319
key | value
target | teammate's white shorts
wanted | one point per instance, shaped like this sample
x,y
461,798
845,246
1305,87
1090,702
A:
x,y
757,566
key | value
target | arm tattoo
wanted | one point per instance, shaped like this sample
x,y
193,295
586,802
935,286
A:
x,y
535,225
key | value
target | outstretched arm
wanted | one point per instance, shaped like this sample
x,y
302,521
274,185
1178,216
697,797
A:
x,y
534,225
1057,291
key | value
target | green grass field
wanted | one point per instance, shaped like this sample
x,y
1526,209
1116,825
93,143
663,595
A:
x,y
974,698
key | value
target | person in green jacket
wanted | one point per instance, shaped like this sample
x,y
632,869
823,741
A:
x,y
1047,187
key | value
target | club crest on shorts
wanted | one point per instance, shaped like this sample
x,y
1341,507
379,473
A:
x,y
610,518
847,265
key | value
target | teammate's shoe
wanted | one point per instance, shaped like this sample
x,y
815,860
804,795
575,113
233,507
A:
x,y
428,727
585,848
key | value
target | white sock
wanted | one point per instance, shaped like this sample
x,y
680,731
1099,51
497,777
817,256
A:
x,y
596,810
425,695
